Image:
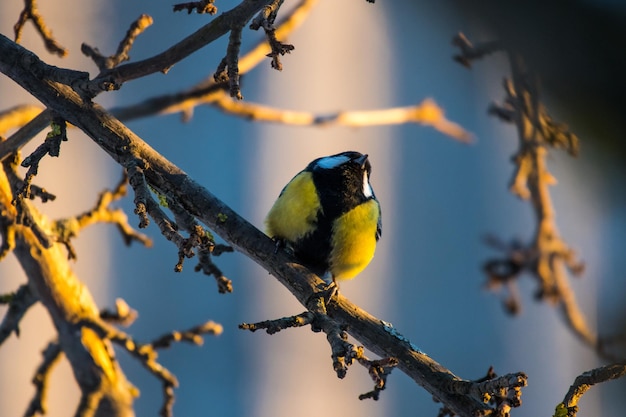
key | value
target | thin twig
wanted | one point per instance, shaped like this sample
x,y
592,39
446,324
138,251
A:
x,y
122,53
30,12
583,382
51,355
19,303
66,229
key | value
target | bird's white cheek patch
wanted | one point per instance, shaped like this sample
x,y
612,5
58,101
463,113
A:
x,y
367,188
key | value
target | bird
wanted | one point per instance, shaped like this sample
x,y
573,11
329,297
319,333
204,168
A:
x,y
329,217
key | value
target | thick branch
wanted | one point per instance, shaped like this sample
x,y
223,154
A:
x,y
68,301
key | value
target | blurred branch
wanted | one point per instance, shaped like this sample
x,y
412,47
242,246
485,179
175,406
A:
x,y
426,113
30,12
470,52
51,355
19,303
548,258
66,229
17,116
147,354
52,282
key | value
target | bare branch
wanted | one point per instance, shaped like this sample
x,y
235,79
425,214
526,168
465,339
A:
x,y
66,229
470,52
343,352
147,354
51,355
19,303
122,315
204,243
426,113
113,137
228,69
30,12
276,325
208,267
583,382
51,146
162,62
137,180
547,257
105,63
29,130
17,116
193,335
265,19
201,7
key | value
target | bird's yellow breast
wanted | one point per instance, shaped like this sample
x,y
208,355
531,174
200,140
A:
x,y
354,240
295,212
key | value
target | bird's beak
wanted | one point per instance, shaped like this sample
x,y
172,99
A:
x,y
361,160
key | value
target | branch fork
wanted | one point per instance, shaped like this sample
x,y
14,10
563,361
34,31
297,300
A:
x,y
343,353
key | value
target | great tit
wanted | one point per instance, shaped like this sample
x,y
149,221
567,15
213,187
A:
x,y
329,216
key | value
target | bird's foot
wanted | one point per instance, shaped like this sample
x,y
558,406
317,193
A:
x,y
331,290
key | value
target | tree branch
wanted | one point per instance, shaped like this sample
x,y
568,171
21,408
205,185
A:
x,y
19,303
122,53
129,150
30,12
115,77
51,355
583,382
548,258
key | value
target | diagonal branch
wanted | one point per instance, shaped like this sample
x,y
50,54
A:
x,y
129,150
583,382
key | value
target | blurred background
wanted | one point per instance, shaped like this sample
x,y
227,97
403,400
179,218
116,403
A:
x,y
439,199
